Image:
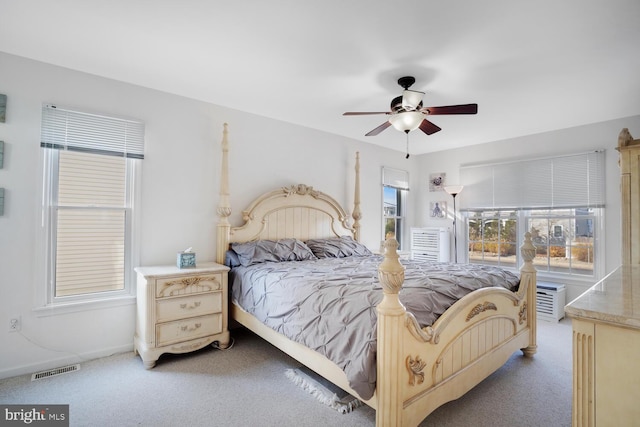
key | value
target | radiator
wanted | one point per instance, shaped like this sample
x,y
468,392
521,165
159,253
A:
x,y
550,301
430,244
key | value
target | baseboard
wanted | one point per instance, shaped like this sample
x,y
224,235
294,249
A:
x,y
63,361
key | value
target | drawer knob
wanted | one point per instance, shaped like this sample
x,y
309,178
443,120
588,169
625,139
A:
x,y
190,307
186,328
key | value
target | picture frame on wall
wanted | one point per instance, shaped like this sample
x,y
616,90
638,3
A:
x,y
438,209
3,108
437,181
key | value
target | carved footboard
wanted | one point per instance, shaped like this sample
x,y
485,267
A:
x,y
421,369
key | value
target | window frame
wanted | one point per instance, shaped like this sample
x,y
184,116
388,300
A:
x,y
46,302
400,217
496,215
523,218
398,180
598,254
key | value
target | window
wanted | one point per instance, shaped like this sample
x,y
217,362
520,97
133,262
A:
x,y
559,200
89,164
493,238
564,240
395,184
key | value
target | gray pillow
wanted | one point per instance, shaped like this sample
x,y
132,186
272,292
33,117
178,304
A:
x,y
337,247
231,259
259,251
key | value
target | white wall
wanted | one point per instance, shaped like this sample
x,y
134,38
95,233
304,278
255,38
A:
x,y
180,179
581,139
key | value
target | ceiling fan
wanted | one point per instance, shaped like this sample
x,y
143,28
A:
x,y
407,112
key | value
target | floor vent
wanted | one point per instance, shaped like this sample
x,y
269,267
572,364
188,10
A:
x,y
56,371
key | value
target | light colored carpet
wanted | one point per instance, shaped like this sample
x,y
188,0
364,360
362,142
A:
x,y
246,386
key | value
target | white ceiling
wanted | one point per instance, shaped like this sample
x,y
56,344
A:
x,y
530,66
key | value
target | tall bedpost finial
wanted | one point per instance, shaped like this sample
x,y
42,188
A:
x,y
390,271
357,214
528,285
390,356
224,205
528,252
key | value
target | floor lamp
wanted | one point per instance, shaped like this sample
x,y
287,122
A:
x,y
454,190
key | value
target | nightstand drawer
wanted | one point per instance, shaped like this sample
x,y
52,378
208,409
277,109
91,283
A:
x,y
187,329
196,305
188,285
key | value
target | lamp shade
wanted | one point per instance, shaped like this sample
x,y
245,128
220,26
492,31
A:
x,y
406,121
453,189
411,99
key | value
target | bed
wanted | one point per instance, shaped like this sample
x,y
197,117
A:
x,y
418,364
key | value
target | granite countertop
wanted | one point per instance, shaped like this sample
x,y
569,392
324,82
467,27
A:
x,y
615,299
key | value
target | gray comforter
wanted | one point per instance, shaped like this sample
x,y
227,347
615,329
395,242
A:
x,y
329,305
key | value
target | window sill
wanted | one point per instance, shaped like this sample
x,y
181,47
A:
x,y
86,305
569,279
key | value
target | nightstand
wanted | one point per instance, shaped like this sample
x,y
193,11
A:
x,y
180,310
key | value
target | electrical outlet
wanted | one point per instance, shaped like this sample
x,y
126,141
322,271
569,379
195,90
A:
x,y
15,324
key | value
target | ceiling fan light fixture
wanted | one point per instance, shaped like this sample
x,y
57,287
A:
x,y
406,121
411,99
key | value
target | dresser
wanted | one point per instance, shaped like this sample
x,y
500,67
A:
x,y
180,310
606,319
629,162
606,345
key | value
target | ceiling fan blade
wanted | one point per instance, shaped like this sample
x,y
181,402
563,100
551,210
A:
x,y
452,109
363,113
379,129
429,128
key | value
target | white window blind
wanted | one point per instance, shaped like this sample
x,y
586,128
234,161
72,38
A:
x,y
395,178
75,130
91,223
90,173
550,183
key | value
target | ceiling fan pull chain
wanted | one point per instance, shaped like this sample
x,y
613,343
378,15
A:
x,y
407,156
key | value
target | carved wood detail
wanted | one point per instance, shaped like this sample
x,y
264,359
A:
x,y
186,328
584,383
302,190
175,286
480,308
189,346
416,370
425,334
522,314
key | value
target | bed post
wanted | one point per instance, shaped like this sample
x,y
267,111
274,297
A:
x,y
528,282
357,215
224,206
391,319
